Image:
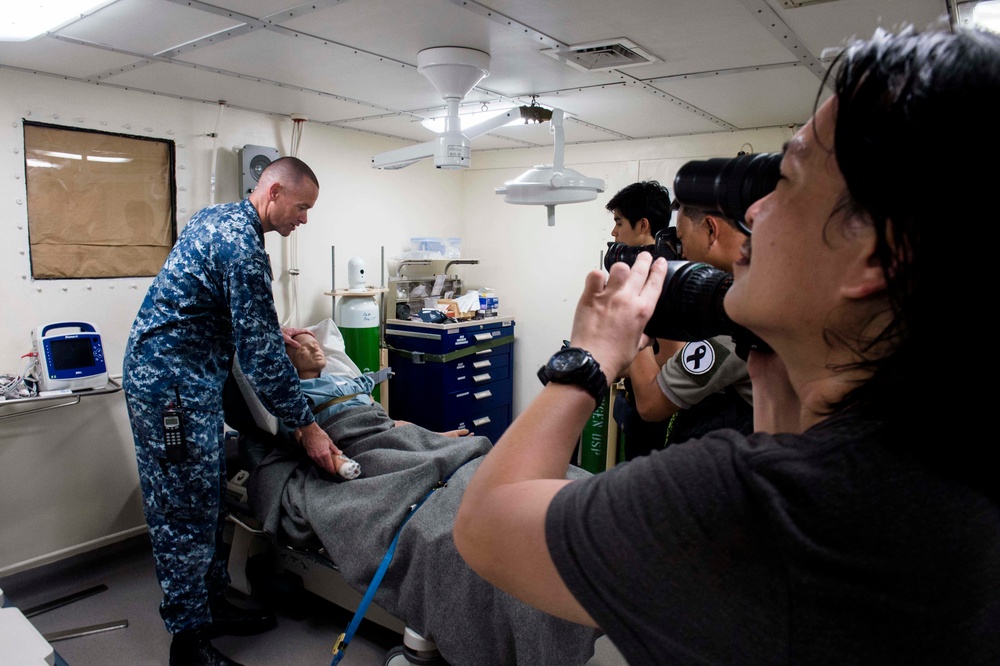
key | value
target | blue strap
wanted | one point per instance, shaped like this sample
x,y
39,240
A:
x,y
340,648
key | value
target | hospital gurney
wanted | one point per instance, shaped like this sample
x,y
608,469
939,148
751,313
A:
x,y
428,585
332,534
310,568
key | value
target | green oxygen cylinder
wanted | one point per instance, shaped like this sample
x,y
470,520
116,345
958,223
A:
x,y
358,321
594,440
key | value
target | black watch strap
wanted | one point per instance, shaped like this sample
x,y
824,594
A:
x,y
581,370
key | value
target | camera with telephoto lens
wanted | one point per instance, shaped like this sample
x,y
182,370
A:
x,y
665,244
690,306
728,185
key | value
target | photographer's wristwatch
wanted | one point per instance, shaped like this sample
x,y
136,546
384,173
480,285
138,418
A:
x,y
572,365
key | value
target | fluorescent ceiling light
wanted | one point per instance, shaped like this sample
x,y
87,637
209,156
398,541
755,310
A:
x,y
467,119
25,19
987,15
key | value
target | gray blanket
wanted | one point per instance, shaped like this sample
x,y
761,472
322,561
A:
x,y
428,585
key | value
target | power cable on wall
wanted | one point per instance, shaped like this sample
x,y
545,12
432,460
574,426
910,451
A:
x,y
215,151
291,242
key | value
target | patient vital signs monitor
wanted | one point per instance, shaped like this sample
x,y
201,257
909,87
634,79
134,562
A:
x,y
70,356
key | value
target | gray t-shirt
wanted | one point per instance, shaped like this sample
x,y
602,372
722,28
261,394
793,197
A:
x,y
821,548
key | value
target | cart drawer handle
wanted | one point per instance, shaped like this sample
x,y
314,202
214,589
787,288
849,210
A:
x,y
482,421
481,378
482,394
482,364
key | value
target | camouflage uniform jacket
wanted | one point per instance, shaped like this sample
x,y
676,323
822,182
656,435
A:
x,y
213,295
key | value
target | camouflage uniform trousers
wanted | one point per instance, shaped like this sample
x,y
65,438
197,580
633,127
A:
x,y
184,506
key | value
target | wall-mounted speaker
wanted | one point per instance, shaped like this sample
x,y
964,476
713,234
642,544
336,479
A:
x,y
253,159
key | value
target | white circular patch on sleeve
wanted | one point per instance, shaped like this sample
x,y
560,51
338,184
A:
x,y
698,357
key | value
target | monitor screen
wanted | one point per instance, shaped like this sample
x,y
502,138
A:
x,y
72,353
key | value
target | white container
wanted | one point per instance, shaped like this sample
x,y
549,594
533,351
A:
x,y
489,302
429,244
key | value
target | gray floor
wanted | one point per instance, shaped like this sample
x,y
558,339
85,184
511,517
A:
x,y
307,625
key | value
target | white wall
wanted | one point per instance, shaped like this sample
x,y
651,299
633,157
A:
x,y
538,271
68,480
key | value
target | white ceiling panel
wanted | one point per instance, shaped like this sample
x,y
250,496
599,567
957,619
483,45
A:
x,y
629,111
830,24
767,98
259,8
726,63
397,29
53,56
204,85
146,26
309,63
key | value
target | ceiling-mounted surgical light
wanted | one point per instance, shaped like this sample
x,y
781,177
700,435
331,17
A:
x,y
454,71
552,185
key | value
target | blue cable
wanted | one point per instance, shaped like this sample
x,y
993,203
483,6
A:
x,y
340,648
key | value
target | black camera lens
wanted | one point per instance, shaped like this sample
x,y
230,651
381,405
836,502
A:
x,y
624,253
666,246
690,306
728,185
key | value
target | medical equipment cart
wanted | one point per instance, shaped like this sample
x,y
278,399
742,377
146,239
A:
x,y
452,375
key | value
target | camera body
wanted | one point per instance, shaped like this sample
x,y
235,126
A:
x,y
665,245
690,306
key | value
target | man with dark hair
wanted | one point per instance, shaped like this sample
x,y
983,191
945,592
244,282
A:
x,y
705,385
640,211
211,301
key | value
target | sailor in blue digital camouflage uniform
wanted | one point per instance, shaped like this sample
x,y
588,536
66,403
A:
x,y
213,298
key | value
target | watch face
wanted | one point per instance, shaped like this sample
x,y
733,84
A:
x,y
567,359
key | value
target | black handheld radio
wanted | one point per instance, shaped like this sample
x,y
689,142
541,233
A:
x,y
174,440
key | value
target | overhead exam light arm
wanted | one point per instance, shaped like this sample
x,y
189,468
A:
x,y
452,136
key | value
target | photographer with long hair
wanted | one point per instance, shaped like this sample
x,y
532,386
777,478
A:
x,y
866,529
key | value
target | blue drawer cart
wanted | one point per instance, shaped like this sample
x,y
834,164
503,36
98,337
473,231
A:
x,y
449,376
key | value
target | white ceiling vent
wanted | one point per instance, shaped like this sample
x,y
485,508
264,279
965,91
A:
x,y
609,54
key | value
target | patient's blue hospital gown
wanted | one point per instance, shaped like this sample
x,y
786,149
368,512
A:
x,y
350,392
212,297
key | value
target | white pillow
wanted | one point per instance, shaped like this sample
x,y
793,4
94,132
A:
x,y
332,342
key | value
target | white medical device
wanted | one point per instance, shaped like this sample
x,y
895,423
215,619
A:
x,y
70,356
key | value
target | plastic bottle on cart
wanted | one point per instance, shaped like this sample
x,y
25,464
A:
x,y
489,303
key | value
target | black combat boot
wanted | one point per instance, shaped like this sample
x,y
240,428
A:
x,y
193,648
228,619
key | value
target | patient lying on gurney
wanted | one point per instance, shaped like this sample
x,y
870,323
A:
x,y
329,393
428,585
